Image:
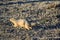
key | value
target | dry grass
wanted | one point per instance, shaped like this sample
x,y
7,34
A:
x,y
44,17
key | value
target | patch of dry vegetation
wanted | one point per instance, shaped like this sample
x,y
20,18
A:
x,y
43,16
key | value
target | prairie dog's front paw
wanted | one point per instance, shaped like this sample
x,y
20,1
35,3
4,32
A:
x,y
15,25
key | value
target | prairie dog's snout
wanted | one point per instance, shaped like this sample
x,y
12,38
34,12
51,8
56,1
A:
x,y
20,23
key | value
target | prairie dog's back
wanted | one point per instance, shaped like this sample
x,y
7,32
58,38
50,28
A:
x,y
21,22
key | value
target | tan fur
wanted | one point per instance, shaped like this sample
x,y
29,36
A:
x,y
20,23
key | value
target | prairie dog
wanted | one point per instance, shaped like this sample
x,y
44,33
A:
x,y
20,23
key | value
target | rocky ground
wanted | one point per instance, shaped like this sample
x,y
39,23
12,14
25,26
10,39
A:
x,y
45,15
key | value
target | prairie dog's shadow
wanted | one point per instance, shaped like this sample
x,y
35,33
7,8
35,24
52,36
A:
x,y
9,23
37,27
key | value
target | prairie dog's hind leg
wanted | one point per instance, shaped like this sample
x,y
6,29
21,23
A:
x,y
27,26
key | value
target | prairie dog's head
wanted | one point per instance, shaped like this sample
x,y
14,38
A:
x,y
12,19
